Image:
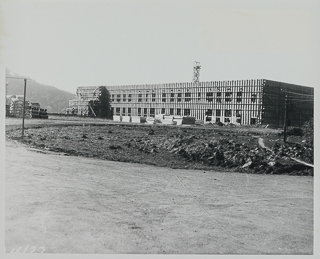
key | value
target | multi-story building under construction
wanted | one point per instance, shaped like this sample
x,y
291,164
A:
x,y
246,102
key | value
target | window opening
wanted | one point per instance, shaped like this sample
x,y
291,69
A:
x,y
227,113
186,112
209,96
187,97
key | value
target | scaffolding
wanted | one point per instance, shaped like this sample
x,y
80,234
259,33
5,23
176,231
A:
x,y
246,102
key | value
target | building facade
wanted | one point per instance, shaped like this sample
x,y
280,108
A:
x,y
247,102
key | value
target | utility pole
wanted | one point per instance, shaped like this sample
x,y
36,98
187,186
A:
x,y
285,119
24,100
24,104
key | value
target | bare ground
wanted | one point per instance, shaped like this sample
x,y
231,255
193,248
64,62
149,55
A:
x,y
85,205
187,147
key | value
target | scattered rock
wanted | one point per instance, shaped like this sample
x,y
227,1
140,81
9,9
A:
x,y
151,132
223,148
247,164
115,147
271,163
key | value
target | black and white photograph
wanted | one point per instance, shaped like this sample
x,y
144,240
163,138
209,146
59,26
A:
x,y
156,127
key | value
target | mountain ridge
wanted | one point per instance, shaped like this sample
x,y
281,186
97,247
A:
x,y
49,97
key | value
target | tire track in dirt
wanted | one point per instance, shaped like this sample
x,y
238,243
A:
x,y
81,205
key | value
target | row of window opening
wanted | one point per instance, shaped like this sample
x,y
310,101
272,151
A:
x,y
178,111
144,111
187,96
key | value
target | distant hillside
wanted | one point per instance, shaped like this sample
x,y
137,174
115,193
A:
x,y
49,97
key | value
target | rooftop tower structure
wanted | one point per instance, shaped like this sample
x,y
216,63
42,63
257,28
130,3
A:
x,y
196,71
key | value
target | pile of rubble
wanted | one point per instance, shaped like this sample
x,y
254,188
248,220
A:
x,y
14,108
253,151
225,152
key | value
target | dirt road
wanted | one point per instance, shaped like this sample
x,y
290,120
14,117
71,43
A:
x,y
63,204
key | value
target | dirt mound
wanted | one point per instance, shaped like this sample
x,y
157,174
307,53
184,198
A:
x,y
225,152
176,147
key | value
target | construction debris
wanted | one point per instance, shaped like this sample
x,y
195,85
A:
x,y
179,147
14,108
138,119
157,119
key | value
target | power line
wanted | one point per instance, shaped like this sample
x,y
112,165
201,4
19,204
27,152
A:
x,y
18,77
301,99
310,95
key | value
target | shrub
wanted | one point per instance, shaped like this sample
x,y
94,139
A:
x,y
294,131
308,129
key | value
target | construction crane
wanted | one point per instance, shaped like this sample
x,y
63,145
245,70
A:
x,y
196,71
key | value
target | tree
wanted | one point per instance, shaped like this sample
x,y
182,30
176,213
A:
x,y
101,107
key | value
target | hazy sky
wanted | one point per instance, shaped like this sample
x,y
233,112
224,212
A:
x,y
71,43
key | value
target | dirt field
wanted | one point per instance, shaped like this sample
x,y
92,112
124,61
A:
x,y
192,147
66,204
